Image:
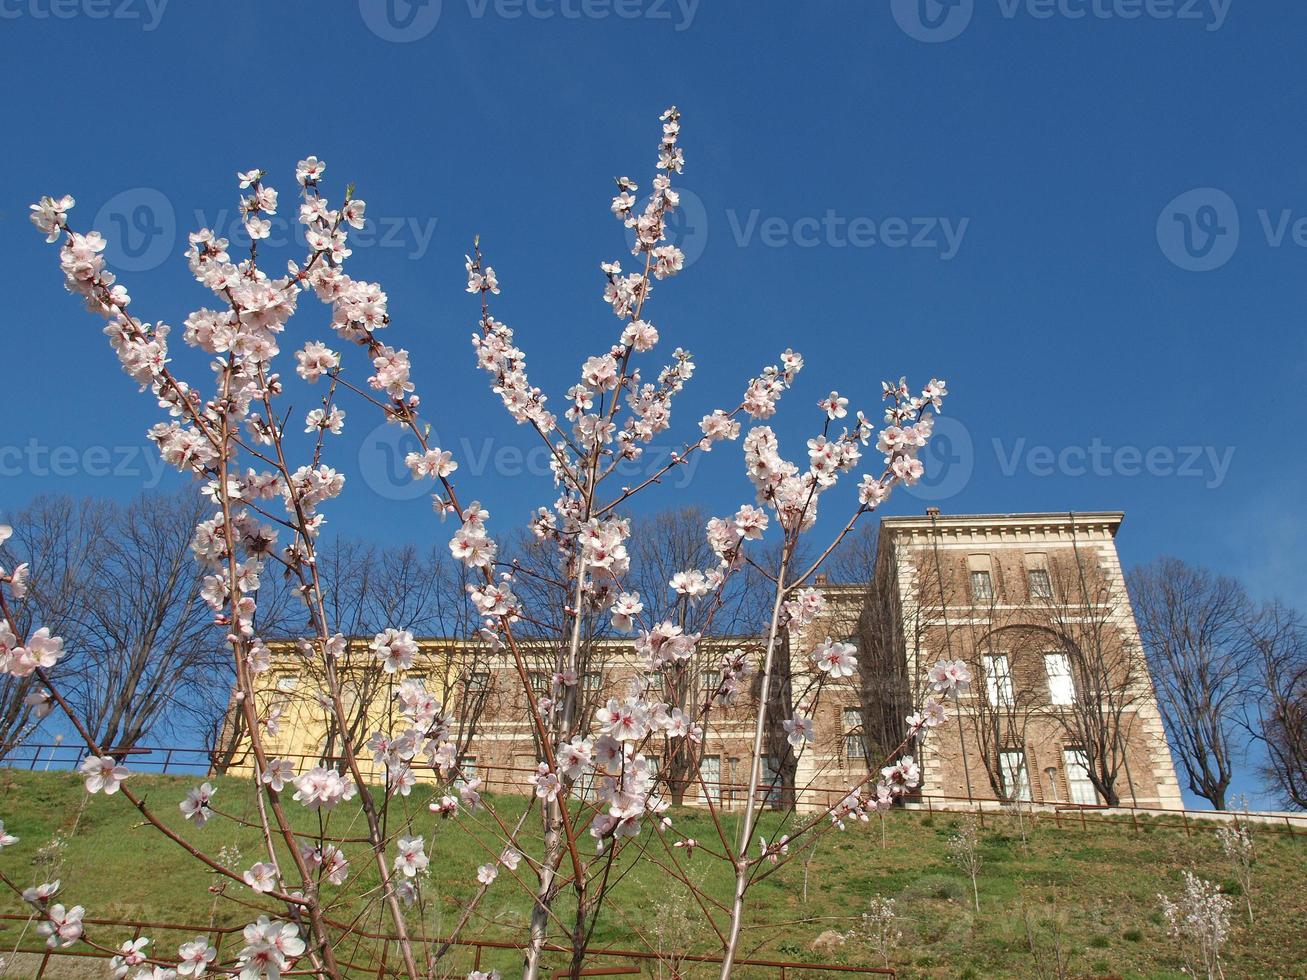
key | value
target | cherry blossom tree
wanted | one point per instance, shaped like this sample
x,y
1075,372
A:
x,y
268,487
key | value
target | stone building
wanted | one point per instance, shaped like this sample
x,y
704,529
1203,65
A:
x,y
1061,709
1062,706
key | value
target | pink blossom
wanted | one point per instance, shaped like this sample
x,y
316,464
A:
x,y
103,774
836,659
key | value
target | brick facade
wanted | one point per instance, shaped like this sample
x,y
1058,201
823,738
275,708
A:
x,y
920,606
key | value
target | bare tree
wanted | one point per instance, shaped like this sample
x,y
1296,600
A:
x,y
1278,714
892,637
665,543
144,655
1001,711
1086,613
1193,625
63,531
147,651
366,589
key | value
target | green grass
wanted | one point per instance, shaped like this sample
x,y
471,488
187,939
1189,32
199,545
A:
x,y
1097,887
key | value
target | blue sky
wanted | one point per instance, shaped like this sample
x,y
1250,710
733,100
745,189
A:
x,y
1082,213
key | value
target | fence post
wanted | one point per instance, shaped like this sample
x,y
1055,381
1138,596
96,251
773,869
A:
x,y
1083,824
167,761
1134,822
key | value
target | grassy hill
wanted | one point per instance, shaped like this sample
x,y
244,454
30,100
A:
x,y
1090,891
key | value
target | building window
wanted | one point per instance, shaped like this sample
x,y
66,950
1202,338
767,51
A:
x,y
1061,687
467,771
855,745
712,680
710,774
771,781
982,586
478,682
541,683
1040,586
998,680
287,683
1077,777
1016,783
591,682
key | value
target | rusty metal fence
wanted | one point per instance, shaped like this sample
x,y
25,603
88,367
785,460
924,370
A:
x,y
375,960
183,761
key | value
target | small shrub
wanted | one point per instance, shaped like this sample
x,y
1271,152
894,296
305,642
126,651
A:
x,y
1099,942
1200,920
1132,936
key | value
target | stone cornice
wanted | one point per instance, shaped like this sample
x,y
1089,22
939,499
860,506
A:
x,y
1002,526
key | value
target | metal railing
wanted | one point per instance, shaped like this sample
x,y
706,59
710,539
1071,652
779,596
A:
x,y
178,760
379,957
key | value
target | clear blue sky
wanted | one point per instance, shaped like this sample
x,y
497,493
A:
x,y
1093,319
